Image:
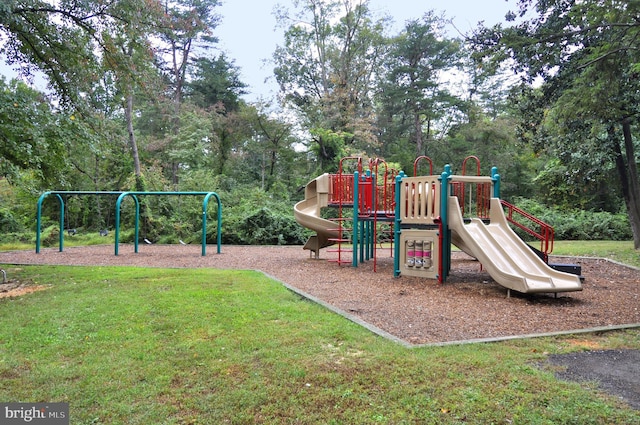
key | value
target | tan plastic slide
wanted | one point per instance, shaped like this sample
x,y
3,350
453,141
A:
x,y
507,258
307,214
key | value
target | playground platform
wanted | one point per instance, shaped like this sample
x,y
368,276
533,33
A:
x,y
422,217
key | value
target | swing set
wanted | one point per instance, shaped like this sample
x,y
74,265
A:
x,y
134,195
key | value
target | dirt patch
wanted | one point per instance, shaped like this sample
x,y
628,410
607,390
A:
x,y
584,344
470,305
15,288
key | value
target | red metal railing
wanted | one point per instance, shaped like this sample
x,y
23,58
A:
x,y
480,192
417,160
385,188
545,233
342,196
341,189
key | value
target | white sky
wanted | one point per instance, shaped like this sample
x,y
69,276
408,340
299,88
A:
x,y
248,32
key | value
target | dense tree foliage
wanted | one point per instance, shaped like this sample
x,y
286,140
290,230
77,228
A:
x,y
70,41
415,100
140,98
327,69
587,106
33,135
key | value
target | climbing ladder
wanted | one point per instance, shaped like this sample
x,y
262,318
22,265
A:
x,y
382,208
343,188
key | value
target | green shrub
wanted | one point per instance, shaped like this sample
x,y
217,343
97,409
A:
x,y
264,226
252,216
50,236
586,225
8,222
267,227
576,224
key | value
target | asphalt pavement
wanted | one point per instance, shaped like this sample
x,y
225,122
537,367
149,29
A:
x,y
616,371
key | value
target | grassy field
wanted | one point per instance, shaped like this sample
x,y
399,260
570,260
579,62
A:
x,y
622,252
174,346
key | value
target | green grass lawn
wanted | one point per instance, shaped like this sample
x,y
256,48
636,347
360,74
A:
x,y
622,252
128,345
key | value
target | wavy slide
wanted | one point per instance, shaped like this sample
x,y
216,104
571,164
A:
x,y
307,214
508,259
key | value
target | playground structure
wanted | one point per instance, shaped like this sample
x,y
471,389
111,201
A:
x,y
421,217
134,195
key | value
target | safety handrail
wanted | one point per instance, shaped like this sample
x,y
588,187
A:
x,y
546,233
341,189
417,160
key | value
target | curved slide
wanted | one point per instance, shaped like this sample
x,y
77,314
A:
x,y
307,214
508,259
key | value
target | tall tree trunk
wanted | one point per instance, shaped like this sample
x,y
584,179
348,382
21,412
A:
x,y
128,113
139,186
180,58
175,129
630,185
263,167
417,128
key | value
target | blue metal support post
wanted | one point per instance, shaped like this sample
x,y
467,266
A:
x,y
495,177
444,217
396,226
354,231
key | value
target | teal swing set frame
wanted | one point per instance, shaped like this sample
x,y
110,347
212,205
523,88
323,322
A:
x,y
134,195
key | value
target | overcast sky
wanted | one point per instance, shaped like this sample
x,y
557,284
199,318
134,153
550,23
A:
x,y
248,33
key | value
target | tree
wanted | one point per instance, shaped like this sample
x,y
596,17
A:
x,y
133,42
84,48
327,68
263,153
33,137
216,81
274,136
493,141
186,23
215,87
67,40
587,54
413,94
